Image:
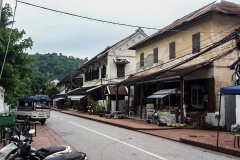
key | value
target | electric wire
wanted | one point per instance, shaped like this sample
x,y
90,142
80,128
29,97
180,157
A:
x,y
135,71
104,21
9,40
184,54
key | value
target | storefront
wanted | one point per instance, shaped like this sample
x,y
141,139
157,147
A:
x,y
169,110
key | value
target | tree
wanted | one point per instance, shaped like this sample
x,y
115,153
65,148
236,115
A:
x,y
18,69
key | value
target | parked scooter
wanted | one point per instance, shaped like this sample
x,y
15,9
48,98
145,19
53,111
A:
x,y
21,149
90,109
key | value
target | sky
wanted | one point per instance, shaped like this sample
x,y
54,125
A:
x,y
54,32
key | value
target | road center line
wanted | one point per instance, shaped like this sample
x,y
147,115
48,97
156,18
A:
x,y
118,141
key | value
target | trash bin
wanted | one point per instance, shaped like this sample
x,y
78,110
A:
x,y
7,118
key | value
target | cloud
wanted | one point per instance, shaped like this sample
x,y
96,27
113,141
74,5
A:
x,y
56,32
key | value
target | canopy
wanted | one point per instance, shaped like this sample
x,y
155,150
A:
x,y
231,90
162,93
234,90
35,98
76,97
157,96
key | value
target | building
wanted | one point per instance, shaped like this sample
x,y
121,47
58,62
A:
x,y
100,74
190,55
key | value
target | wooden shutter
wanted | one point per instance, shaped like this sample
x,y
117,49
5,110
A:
x,y
155,55
120,70
172,50
103,72
141,59
196,42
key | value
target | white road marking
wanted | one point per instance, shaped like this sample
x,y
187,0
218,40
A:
x,y
61,118
55,116
118,141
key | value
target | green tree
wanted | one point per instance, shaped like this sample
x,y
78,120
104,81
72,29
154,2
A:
x,y
18,69
54,66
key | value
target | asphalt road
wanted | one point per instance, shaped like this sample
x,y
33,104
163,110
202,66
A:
x,y
105,142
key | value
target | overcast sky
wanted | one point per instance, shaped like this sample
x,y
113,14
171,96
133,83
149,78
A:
x,y
78,37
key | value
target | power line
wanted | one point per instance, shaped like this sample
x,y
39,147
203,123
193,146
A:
x,y
105,21
169,61
9,39
85,17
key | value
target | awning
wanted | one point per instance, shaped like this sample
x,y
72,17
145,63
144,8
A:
x,y
112,90
118,60
157,96
94,88
162,93
76,97
56,99
79,91
235,90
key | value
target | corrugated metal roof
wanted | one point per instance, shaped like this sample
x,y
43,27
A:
x,y
112,90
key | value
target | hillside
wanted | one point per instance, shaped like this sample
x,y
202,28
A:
x,y
56,66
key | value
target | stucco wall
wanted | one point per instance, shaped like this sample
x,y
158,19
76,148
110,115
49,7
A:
x,y
183,41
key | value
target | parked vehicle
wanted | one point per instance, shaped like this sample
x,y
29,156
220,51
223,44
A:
x,y
116,114
21,149
37,108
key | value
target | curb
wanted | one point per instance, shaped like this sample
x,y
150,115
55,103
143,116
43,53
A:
x,y
182,140
211,147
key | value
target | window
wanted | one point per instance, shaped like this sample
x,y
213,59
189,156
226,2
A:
x,y
120,70
141,59
172,50
95,73
197,97
155,55
196,42
103,72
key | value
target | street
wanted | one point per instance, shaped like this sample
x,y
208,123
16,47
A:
x,y
102,141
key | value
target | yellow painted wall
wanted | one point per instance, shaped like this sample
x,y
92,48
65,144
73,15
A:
x,y
208,28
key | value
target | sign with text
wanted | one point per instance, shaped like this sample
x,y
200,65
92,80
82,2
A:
x,y
165,117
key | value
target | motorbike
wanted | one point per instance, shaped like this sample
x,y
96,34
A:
x,y
90,109
20,148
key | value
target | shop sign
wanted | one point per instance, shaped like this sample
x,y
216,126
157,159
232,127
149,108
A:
x,y
150,110
165,117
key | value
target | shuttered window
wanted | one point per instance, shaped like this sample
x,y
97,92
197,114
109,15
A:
x,y
141,59
103,72
172,50
120,70
155,55
196,42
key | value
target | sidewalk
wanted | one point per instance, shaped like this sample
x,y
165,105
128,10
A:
x,y
201,138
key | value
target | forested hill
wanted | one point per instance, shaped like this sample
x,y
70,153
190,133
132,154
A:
x,y
56,66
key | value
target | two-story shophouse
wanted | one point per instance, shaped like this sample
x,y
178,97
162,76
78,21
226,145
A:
x,y
189,58
112,65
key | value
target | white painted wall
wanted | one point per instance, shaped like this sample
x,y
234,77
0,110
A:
x,y
120,50
2,105
212,118
238,109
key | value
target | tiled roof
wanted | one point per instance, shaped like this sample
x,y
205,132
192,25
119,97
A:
x,y
106,50
224,7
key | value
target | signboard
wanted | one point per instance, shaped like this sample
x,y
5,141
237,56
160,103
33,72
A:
x,y
165,117
150,110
